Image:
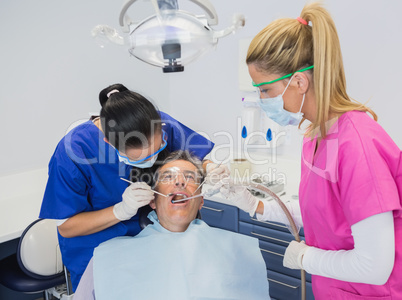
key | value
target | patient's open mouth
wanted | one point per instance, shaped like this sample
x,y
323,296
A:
x,y
178,196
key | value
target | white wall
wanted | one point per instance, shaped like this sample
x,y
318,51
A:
x,y
212,82
371,40
52,70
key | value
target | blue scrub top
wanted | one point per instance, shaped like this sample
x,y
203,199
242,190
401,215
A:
x,y
84,175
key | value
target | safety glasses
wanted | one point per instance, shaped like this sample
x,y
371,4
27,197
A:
x,y
283,77
163,146
171,175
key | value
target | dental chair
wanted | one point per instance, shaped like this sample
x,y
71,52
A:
x,y
37,266
143,216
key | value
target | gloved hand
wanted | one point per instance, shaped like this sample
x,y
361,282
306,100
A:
x,y
216,188
215,173
294,255
135,196
240,197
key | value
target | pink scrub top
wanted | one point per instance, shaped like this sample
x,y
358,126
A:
x,y
355,173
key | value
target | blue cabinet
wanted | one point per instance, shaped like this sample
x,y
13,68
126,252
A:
x,y
220,215
284,287
273,239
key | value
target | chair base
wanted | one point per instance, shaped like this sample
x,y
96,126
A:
x,y
12,277
59,292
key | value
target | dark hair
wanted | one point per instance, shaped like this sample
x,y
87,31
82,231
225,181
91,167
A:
x,y
186,156
127,117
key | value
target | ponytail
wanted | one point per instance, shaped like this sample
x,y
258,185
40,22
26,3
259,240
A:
x,y
126,116
107,92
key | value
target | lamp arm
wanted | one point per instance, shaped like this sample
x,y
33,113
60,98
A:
x,y
125,21
238,21
209,9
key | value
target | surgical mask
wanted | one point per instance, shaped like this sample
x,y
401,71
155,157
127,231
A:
x,y
273,108
144,163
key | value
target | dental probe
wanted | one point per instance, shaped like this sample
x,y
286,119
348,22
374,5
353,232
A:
x,y
184,199
205,179
151,190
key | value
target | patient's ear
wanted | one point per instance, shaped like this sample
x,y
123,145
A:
x,y
201,203
152,204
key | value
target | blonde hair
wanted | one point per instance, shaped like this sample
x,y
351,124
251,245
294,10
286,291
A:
x,y
286,45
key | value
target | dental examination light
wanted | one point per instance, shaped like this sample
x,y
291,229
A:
x,y
171,38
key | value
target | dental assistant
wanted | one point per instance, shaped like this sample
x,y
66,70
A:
x,y
84,191
351,176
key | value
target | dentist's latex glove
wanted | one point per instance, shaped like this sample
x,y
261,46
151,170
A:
x,y
215,173
240,196
294,255
136,195
216,188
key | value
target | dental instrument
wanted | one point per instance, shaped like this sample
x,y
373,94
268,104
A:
x,y
192,195
168,195
185,199
151,190
206,193
205,180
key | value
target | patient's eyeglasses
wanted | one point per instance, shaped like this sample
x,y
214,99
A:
x,y
170,175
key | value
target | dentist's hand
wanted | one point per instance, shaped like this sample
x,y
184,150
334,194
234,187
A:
x,y
294,255
135,196
240,197
215,173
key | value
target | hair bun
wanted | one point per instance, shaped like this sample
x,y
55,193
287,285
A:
x,y
106,92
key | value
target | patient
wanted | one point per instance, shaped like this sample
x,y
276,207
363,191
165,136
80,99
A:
x,y
178,256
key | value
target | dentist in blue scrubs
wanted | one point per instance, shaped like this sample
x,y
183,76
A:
x,y
84,192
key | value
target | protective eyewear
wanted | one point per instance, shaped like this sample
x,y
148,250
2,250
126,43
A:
x,y
171,175
163,146
283,77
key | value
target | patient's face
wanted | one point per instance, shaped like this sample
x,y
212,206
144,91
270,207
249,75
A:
x,y
180,179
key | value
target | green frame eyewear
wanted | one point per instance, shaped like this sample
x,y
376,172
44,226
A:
x,y
283,77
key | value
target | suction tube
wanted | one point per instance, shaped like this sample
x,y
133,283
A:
x,y
263,189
